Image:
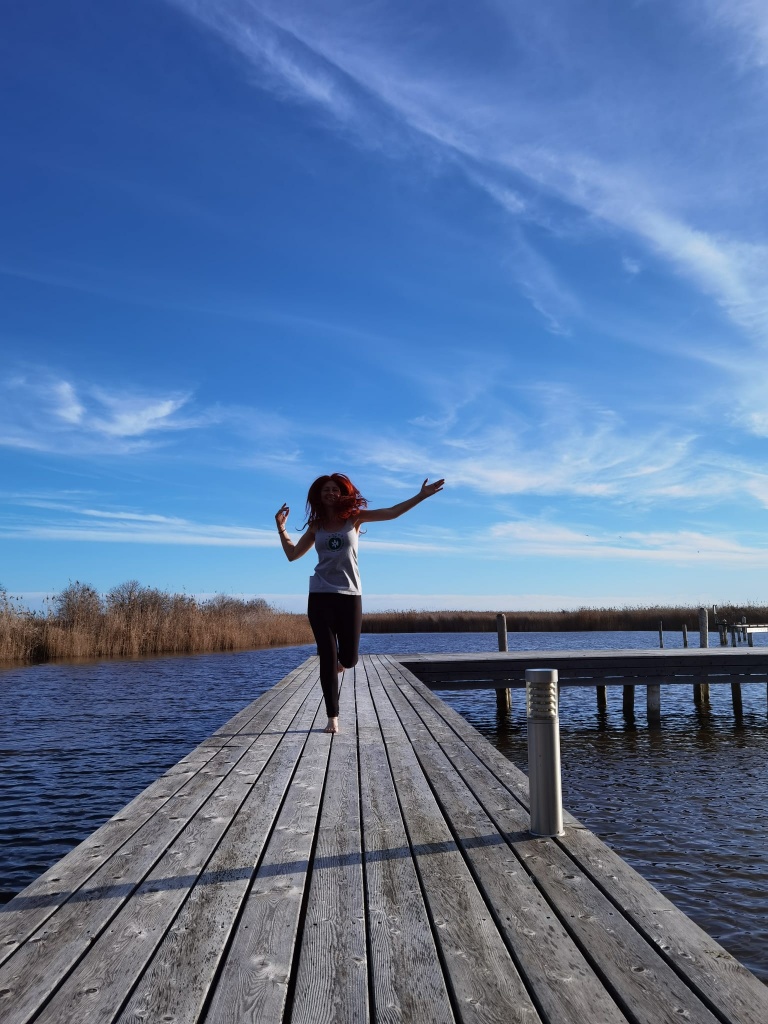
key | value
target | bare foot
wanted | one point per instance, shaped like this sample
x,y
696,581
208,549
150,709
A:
x,y
333,725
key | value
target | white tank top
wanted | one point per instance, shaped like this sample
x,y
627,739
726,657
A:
x,y
336,571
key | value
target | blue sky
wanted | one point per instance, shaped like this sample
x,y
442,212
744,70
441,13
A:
x,y
521,246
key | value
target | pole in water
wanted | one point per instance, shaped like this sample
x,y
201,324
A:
x,y
703,628
503,694
501,630
544,752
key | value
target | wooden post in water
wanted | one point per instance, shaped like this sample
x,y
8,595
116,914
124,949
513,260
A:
x,y
703,628
602,700
628,703
685,635
738,710
661,634
503,695
653,701
701,690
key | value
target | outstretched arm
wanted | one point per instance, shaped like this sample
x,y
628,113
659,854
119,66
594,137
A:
x,y
378,515
292,551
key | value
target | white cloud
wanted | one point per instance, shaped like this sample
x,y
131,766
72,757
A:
x,y
67,521
337,57
42,412
69,408
553,443
682,547
135,415
747,20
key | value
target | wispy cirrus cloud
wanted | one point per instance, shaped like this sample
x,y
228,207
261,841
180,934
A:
x,y
679,547
535,126
56,520
40,411
746,20
547,441
542,538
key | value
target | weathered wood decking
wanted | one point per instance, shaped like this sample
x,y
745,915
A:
x,y
385,874
590,668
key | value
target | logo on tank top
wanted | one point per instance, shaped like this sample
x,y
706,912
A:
x,y
335,542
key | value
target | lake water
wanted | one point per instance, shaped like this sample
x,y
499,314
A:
x,y
685,803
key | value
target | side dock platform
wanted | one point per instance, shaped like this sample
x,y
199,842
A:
x,y
386,874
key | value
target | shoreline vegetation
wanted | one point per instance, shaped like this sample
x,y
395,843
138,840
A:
x,y
135,621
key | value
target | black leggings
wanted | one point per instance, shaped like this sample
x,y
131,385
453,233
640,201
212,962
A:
x,y
336,620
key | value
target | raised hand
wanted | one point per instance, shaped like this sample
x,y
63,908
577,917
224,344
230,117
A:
x,y
281,515
428,489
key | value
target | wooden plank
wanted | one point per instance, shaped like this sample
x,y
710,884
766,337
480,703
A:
x,y
22,916
561,980
254,979
332,978
44,961
104,978
407,976
484,980
711,971
646,987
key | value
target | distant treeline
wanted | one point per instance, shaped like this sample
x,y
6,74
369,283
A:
x,y
132,620
580,620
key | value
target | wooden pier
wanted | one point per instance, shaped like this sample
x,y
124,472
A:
x,y
386,874
651,668
593,668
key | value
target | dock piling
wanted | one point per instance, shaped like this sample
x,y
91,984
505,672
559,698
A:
x,y
653,703
701,690
544,752
703,627
503,694
628,700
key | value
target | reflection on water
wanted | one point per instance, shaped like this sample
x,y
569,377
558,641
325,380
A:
x,y
684,803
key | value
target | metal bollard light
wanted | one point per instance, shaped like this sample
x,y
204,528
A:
x,y
544,752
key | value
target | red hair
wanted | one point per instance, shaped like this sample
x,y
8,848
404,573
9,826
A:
x,y
350,503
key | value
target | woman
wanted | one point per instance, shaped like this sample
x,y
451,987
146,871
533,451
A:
x,y
335,512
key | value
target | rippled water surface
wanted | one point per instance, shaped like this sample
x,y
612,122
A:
x,y
684,803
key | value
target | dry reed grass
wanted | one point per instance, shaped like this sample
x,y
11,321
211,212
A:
x,y
133,620
579,620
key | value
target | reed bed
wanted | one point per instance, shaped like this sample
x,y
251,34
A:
x,y
131,621
579,620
